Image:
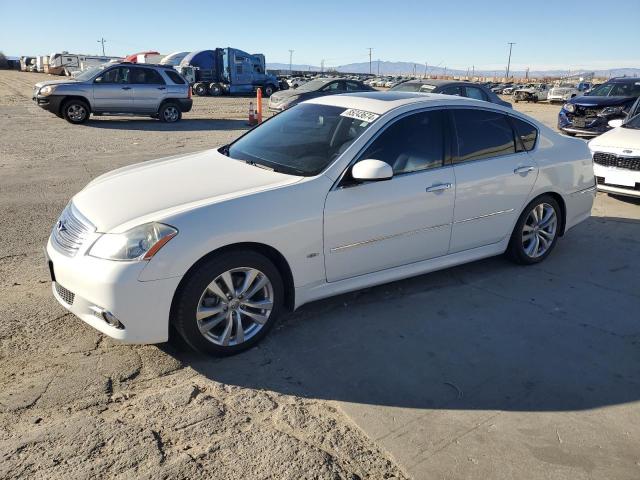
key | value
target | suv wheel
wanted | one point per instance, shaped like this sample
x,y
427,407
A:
x,y
536,232
170,113
75,111
229,303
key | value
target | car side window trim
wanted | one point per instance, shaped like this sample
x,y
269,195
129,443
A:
x,y
517,135
456,145
448,146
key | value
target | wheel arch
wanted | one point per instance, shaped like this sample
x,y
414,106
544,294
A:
x,y
268,251
73,97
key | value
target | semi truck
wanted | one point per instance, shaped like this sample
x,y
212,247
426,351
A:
x,y
227,71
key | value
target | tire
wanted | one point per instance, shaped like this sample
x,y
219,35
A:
x,y
76,111
526,251
215,89
269,90
200,89
169,113
196,295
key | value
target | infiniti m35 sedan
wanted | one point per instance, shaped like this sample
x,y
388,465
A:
x,y
335,194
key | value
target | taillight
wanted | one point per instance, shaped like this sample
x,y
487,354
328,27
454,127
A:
x,y
189,91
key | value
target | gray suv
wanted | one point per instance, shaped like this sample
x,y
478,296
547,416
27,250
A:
x,y
155,90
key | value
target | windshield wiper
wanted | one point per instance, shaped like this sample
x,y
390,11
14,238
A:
x,y
260,165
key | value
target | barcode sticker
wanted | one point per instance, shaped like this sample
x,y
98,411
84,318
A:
x,y
360,115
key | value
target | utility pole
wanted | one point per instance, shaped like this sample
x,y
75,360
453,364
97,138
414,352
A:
x,y
322,66
473,71
370,60
290,62
511,44
378,67
426,66
102,41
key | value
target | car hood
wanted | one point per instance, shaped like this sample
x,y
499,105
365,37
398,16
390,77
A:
x,y
596,101
55,82
153,190
619,138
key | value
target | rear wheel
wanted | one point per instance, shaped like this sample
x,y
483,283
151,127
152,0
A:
x,y
75,111
229,303
215,89
200,89
169,113
536,232
268,90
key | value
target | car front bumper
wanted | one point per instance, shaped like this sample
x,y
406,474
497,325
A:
x,y
593,127
92,286
611,179
51,103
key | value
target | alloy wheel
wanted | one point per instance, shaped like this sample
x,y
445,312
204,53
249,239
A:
x,y
170,114
235,306
76,112
539,230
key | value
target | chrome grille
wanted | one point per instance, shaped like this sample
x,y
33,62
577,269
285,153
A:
x,y
70,231
611,160
66,296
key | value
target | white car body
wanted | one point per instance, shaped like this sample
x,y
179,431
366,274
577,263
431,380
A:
x,y
616,161
562,93
334,240
533,92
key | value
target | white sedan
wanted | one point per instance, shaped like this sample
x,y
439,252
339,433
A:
x,y
616,157
336,194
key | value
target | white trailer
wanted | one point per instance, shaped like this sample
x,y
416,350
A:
x,y
149,58
66,63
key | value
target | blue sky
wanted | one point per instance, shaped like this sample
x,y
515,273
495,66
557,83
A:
x,y
549,35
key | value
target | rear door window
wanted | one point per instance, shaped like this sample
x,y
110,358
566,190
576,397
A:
x,y
475,92
146,76
453,91
482,134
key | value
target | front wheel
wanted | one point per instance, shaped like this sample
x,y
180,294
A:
x,y
268,90
229,303
75,111
536,232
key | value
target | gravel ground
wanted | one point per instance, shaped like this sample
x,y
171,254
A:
x,y
74,404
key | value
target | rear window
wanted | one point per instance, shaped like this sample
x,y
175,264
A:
x,y
482,134
175,77
527,133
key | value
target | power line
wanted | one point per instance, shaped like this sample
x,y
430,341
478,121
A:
x,y
102,41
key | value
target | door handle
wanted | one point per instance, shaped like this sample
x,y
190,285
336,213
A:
x,y
439,187
526,169
126,88
162,88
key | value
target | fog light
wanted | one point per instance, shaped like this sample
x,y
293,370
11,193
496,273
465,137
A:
x,y
108,317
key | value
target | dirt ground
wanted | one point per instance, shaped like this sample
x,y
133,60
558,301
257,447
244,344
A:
x,y
75,404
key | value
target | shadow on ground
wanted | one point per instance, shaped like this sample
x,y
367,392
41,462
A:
x,y
149,124
561,335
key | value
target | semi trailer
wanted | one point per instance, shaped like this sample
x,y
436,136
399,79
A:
x,y
227,71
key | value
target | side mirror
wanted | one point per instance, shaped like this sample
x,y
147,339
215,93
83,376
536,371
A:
x,y
616,122
98,80
371,170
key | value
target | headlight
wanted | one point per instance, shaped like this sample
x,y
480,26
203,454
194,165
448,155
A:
x,y
569,107
47,90
612,110
139,243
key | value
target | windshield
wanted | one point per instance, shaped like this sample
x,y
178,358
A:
x,y
302,140
633,123
614,89
313,85
89,73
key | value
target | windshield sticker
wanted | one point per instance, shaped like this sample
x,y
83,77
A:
x,y
360,115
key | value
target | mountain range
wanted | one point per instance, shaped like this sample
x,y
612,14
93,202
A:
x,y
407,68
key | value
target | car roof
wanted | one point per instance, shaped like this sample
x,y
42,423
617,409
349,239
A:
x,y
383,102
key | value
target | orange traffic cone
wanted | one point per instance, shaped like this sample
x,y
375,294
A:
x,y
252,115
